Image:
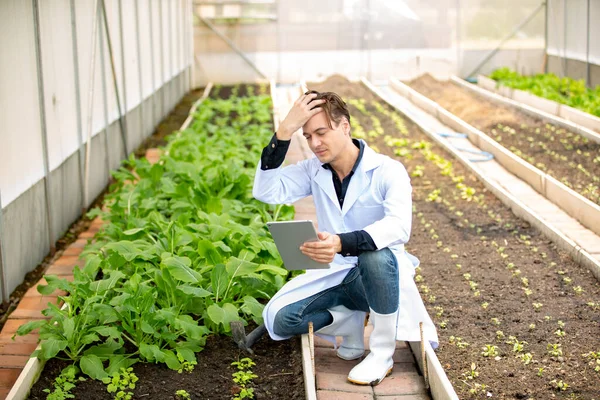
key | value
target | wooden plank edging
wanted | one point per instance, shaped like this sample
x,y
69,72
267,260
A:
x,y
310,385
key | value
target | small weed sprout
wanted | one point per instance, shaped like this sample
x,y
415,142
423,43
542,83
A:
x,y
559,333
122,383
499,335
559,385
438,311
489,351
64,383
495,321
537,306
540,371
182,395
444,324
561,324
554,349
485,305
472,373
243,376
526,358
578,289
531,327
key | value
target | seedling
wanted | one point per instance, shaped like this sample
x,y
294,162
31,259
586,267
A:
x,y
526,358
537,306
122,383
64,383
559,384
540,371
578,289
485,305
182,395
495,321
243,376
499,335
489,351
531,327
472,373
518,346
554,349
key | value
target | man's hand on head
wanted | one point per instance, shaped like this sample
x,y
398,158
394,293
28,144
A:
x,y
300,113
325,249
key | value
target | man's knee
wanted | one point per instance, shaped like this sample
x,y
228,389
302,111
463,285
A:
x,y
285,322
381,258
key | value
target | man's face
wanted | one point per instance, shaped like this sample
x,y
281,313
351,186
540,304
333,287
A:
x,y
325,142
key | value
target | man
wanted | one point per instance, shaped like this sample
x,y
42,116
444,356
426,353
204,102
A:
x,y
364,212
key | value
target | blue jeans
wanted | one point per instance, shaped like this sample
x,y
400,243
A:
x,y
373,284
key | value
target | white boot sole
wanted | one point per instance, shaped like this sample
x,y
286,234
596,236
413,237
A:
x,y
351,358
372,383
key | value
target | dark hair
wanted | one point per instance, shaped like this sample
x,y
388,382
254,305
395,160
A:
x,y
335,108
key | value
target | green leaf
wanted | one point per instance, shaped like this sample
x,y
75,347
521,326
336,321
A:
x,y
151,352
253,307
190,327
51,347
131,232
223,315
218,280
109,331
104,350
207,250
180,270
124,248
91,365
272,268
239,267
171,360
194,291
30,326
109,283
119,361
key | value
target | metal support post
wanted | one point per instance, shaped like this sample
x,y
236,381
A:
x,y
80,154
122,123
564,57
505,39
139,56
3,283
41,96
231,44
547,14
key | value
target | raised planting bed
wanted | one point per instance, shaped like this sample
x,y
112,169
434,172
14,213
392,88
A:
x,y
517,318
566,156
184,251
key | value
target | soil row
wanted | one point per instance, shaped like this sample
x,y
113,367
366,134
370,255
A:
x,y
517,318
567,156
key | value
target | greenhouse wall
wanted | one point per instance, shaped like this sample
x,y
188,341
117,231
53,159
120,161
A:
x,y
574,39
45,95
289,40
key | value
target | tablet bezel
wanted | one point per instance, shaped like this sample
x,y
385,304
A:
x,y
288,236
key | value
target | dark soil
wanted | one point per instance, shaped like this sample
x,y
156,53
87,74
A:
x,y
481,237
278,366
566,156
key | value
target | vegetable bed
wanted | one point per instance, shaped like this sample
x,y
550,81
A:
x,y
568,157
517,318
184,251
565,90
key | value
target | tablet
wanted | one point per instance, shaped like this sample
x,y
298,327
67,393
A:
x,y
288,237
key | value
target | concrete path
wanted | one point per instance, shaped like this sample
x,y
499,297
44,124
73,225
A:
x,y
405,382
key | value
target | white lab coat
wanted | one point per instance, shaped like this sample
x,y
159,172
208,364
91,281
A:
x,y
378,200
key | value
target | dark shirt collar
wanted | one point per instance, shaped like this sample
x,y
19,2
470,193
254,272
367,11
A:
x,y
361,147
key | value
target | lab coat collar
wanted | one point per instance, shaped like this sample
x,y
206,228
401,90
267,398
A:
x,y
359,182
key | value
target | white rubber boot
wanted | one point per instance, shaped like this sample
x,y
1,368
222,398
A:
x,y
379,363
350,325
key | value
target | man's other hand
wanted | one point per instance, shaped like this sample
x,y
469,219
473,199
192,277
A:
x,y
324,250
300,113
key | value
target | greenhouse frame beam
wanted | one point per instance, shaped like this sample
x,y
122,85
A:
x,y
139,57
230,44
506,39
3,283
44,131
80,153
122,125
104,97
587,49
123,70
153,72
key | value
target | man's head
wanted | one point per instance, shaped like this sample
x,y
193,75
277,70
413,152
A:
x,y
328,132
